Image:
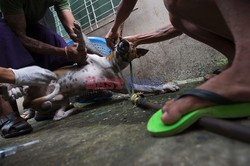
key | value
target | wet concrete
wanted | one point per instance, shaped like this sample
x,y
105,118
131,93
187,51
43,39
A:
x,y
114,133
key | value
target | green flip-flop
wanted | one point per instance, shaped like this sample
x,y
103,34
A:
x,y
226,109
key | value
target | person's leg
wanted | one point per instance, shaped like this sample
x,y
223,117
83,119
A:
x,y
221,44
11,124
230,20
13,55
5,107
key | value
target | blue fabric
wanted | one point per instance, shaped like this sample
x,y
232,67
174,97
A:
x,y
98,42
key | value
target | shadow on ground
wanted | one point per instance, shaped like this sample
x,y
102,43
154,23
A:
x,y
114,133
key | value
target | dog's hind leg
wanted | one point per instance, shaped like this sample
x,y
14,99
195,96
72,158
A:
x,y
78,31
65,111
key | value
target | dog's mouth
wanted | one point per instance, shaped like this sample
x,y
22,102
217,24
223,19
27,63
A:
x,y
123,47
124,50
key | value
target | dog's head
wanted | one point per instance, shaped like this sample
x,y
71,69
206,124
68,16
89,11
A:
x,y
127,52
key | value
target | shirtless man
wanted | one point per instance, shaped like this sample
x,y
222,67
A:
x,y
224,25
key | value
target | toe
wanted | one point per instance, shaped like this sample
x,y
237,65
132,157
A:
x,y
175,110
171,115
167,105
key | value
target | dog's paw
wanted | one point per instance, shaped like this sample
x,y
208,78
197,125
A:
x,y
63,113
28,114
170,87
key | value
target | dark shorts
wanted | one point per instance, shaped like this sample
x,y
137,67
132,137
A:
x,y
14,55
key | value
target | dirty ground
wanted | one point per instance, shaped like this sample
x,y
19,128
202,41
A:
x,y
114,133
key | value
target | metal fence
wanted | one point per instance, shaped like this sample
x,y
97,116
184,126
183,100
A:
x,y
89,13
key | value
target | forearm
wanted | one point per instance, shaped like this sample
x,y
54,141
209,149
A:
x,y
165,33
123,11
67,19
7,76
18,25
39,47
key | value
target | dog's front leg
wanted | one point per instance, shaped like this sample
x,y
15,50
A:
x,y
162,88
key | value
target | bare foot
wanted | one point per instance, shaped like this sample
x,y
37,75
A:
x,y
209,76
225,84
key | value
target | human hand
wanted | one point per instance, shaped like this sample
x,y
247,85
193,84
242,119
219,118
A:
x,y
73,36
132,39
76,34
76,55
80,39
12,94
15,93
111,38
33,75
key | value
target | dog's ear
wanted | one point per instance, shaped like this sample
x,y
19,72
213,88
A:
x,y
141,52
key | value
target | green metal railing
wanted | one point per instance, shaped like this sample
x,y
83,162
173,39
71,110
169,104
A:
x,y
89,13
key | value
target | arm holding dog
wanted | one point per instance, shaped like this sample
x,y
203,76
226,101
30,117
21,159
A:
x,y
32,75
18,24
6,76
18,18
67,19
123,12
165,33
69,23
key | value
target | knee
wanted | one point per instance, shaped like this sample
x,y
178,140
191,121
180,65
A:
x,y
172,5
175,21
183,25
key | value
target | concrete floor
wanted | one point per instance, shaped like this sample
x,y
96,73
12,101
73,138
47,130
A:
x,y
114,133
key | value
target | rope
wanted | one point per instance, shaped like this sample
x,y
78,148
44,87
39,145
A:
x,y
131,77
125,81
132,92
